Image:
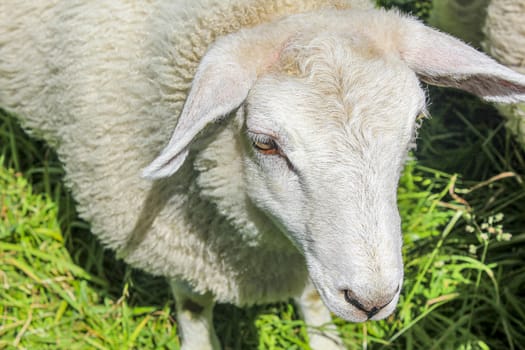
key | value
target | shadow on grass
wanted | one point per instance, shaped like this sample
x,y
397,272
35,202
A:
x,y
40,165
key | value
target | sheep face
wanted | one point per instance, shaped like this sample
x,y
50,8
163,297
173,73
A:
x,y
323,152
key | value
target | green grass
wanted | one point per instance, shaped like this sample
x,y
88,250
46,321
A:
x,y
461,198
48,299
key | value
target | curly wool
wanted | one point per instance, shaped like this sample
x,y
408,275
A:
x,y
104,83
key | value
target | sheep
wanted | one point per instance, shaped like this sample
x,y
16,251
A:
x,y
504,30
498,26
460,18
249,151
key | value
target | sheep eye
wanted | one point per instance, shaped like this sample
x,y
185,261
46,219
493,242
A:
x,y
268,147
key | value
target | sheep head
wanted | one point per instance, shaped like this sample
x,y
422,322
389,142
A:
x,y
328,103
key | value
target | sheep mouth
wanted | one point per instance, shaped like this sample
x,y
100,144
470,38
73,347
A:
x,y
353,310
356,307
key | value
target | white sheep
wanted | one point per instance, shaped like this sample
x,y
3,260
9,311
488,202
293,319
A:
x,y
289,121
504,30
499,27
460,18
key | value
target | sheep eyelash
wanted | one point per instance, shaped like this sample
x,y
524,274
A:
x,y
260,137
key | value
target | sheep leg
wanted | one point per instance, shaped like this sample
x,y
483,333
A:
x,y
195,318
322,332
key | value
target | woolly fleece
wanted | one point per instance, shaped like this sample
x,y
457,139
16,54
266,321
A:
x,y
104,82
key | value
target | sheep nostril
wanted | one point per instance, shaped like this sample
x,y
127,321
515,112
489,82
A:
x,y
369,309
351,298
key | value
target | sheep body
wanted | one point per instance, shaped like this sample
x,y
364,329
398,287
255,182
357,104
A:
x,y
104,83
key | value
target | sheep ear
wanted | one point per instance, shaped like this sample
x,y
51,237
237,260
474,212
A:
x,y
442,60
220,85
222,82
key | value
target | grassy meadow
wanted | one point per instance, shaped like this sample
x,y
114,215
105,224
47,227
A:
x,y
461,198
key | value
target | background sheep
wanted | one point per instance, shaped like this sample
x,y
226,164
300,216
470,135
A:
x,y
460,18
136,249
499,27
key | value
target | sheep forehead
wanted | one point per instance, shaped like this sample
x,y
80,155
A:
x,y
352,73
337,86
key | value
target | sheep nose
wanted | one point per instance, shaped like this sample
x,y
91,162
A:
x,y
368,307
